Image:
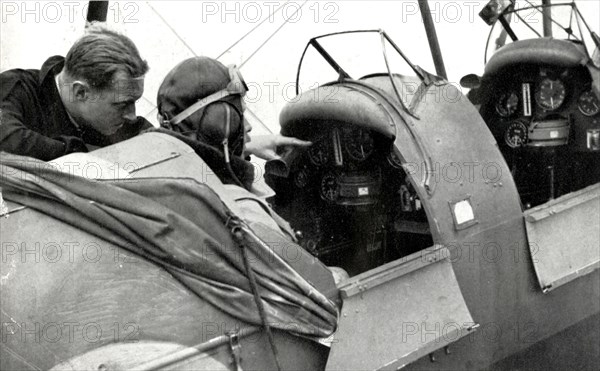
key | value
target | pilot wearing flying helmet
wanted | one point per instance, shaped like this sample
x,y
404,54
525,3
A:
x,y
202,101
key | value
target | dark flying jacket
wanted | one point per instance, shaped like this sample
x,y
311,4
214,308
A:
x,y
34,121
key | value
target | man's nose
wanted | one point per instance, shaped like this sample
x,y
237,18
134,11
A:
x,y
247,126
129,113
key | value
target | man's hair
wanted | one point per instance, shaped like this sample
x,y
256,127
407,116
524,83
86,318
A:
x,y
101,53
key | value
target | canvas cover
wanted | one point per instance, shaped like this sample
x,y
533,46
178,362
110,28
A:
x,y
179,224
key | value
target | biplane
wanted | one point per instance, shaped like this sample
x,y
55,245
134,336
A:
x,y
427,230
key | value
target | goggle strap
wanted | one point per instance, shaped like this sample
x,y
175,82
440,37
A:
x,y
198,105
235,86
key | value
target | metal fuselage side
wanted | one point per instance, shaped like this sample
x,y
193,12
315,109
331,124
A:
x,y
493,262
492,259
452,159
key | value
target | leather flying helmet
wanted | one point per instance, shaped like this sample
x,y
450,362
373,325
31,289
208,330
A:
x,y
202,99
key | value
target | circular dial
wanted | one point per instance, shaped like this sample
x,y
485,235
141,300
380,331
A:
x,y
516,134
588,103
329,187
507,104
318,153
550,94
359,144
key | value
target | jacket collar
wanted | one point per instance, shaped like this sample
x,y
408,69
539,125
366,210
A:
x,y
51,67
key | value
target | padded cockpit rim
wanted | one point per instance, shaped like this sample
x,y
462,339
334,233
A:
x,y
294,114
549,51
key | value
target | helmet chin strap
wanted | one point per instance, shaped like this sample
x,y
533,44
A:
x,y
226,145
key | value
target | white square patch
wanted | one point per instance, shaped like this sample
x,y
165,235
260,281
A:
x,y
463,212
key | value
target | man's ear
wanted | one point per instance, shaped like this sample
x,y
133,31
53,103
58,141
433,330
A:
x,y
80,90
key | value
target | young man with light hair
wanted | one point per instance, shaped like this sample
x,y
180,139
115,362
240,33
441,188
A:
x,y
77,103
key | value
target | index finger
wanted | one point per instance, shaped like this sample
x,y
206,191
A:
x,y
290,141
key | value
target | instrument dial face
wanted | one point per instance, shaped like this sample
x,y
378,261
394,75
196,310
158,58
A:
x,y
329,187
359,144
550,94
516,134
588,103
318,153
507,104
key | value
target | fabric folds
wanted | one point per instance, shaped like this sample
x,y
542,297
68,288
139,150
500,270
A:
x,y
180,225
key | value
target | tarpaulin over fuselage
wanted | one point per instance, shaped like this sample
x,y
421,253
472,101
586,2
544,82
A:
x,y
180,225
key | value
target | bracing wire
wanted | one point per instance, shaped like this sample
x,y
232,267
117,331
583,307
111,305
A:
x,y
172,29
527,24
259,120
180,39
252,30
231,46
260,47
273,34
568,32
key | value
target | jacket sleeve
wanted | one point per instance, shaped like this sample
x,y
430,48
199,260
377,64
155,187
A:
x,y
17,138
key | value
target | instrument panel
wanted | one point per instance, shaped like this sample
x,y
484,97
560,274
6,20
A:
x,y
532,97
345,195
339,160
546,120
342,144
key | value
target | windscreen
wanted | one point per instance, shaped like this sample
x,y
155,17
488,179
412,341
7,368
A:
x,y
358,54
527,22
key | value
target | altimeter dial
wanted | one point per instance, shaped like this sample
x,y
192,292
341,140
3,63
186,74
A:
x,y
550,94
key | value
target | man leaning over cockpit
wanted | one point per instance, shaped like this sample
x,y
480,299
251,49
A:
x,y
77,103
85,101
